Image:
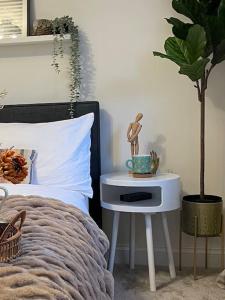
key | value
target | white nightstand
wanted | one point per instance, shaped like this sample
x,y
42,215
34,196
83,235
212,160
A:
x,y
165,190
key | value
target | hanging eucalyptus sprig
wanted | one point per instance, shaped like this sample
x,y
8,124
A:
x,y
61,27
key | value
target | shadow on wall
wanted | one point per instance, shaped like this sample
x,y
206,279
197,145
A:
x,y
111,144
106,141
87,69
87,88
216,93
86,61
216,89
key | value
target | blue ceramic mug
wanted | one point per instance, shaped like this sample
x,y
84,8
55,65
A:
x,y
140,164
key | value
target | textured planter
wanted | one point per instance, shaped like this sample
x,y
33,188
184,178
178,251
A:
x,y
208,213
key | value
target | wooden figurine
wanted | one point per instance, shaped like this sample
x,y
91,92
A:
x,y
132,134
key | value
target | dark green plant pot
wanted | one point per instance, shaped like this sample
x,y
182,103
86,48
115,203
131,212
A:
x,y
208,213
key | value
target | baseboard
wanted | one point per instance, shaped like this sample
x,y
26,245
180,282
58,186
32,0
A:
x,y
214,257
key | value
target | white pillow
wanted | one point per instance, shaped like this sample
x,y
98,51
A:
x,y
63,150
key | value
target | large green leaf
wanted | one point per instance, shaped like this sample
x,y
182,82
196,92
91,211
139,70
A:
x,y
210,14
209,45
216,29
196,42
196,70
177,49
193,44
180,29
210,6
187,52
219,53
221,10
189,8
177,61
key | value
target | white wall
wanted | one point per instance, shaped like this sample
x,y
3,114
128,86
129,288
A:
x,y
119,70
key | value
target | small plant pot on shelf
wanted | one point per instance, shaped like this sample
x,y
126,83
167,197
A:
x,y
207,214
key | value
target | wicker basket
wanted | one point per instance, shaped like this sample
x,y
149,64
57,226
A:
x,y
10,238
42,27
43,31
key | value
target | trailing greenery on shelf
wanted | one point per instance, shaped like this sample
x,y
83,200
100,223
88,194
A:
x,y
61,27
197,47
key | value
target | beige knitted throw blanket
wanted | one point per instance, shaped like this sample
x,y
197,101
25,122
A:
x,y
62,254
221,280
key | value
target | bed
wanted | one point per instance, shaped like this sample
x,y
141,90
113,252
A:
x,y
63,250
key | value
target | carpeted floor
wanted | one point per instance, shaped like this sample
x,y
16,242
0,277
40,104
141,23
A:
x,y
134,285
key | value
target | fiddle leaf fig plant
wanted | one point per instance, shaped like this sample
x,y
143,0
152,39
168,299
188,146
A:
x,y
197,47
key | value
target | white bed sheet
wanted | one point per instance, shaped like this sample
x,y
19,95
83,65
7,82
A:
x,y
70,197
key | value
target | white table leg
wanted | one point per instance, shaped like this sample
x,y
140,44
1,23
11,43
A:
x,y
116,218
168,246
151,262
132,240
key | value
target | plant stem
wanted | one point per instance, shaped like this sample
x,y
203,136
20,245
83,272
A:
x,y
201,97
199,90
202,164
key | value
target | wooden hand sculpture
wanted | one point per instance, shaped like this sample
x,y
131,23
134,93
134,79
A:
x,y
132,134
155,162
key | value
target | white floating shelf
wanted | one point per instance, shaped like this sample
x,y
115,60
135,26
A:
x,y
29,40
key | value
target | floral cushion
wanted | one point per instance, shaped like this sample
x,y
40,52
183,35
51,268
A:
x,y
16,165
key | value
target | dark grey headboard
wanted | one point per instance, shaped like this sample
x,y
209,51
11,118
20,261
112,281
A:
x,y
49,112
